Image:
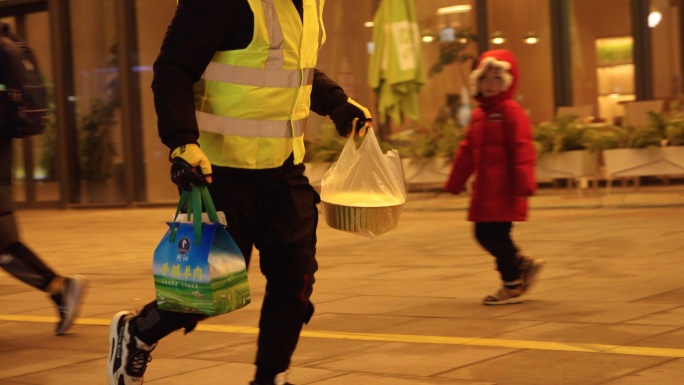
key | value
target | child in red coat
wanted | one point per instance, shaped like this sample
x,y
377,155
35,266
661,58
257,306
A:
x,y
498,149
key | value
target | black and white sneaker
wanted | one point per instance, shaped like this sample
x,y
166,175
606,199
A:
x,y
69,301
128,356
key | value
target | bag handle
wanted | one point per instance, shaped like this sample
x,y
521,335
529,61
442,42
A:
x,y
198,195
362,131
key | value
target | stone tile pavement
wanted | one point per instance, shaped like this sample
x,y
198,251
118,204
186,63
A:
x,y
401,309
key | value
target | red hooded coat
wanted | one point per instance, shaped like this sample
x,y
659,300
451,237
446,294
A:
x,y
497,148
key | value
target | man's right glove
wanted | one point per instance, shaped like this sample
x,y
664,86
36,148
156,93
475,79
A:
x,y
189,167
344,115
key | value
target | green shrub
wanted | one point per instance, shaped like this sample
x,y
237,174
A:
x,y
436,140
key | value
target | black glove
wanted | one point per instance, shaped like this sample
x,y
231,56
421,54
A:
x,y
189,167
344,115
184,175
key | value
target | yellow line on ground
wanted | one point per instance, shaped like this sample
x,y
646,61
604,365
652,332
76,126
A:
x,y
408,338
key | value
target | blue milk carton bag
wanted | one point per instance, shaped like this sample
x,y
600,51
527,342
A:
x,y
197,266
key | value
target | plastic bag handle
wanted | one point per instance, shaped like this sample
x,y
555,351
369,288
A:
x,y
363,130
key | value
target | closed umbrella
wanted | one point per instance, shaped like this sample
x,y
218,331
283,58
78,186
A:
x,y
396,70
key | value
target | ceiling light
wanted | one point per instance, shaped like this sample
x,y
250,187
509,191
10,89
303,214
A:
x,y
427,36
498,38
369,24
454,9
654,18
531,38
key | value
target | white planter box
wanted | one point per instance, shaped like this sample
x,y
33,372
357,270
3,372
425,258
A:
x,y
426,171
628,162
568,164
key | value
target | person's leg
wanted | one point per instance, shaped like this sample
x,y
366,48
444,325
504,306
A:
x,y
286,240
15,258
495,237
133,336
22,263
152,324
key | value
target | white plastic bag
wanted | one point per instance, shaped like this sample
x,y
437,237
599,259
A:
x,y
364,192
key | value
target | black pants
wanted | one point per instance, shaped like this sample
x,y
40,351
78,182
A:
x,y
495,237
275,211
15,258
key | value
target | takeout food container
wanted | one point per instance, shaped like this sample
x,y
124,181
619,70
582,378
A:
x,y
363,220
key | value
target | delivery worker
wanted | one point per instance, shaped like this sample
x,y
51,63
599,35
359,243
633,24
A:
x,y
233,86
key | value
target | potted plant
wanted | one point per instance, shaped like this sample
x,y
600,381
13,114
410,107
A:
x,y
453,48
563,151
97,152
96,148
648,150
426,152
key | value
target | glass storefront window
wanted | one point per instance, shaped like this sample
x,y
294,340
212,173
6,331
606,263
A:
x,y
602,62
34,177
448,32
153,18
601,76
97,100
346,54
665,23
528,36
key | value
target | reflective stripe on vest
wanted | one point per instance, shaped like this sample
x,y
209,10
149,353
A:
x,y
249,127
254,104
257,77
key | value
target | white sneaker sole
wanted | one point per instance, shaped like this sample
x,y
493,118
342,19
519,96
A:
x,y
112,377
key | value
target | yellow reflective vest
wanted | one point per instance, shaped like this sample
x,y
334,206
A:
x,y
252,104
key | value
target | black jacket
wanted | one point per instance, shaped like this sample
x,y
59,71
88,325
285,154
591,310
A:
x,y
199,29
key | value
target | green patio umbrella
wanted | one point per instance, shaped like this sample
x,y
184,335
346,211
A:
x,y
396,70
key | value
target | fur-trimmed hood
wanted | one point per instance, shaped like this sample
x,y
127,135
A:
x,y
500,58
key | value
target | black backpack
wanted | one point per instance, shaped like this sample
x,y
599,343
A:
x,y
23,94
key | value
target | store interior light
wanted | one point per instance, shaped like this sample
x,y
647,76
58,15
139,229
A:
x,y
654,18
531,38
454,9
498,38
428,38
369,24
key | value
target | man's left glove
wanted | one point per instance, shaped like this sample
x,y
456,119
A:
x,y
344,115
189,167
